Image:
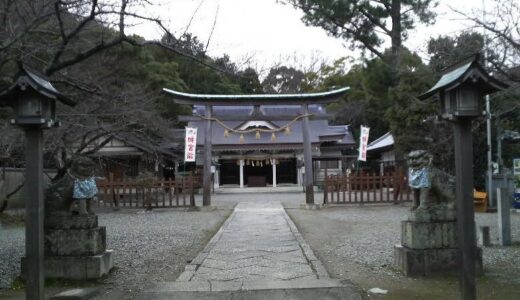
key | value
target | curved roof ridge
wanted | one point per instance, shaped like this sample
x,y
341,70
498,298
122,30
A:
x,y
257,99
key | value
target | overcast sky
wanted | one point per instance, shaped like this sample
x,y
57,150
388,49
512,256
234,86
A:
x,y
269,32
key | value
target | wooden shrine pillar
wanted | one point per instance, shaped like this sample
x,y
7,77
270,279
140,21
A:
x,y
206,181
241,173
307,156
274,173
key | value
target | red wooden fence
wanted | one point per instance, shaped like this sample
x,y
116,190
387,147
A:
x,y
366,188
154,194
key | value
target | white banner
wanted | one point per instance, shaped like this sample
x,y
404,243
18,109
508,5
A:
x,y
190,144
363,142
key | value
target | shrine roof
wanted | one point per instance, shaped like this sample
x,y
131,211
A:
x,y
383,142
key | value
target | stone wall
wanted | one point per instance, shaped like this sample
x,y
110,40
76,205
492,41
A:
x,y
11,178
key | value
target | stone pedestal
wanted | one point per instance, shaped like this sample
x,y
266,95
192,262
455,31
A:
x,y
75,248
76,267
429,242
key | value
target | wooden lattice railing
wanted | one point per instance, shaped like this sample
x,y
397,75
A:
x,y
366,188
153,194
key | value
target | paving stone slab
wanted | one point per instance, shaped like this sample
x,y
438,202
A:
x,y
77,294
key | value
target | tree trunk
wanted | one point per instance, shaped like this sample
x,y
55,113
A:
x,y
396,39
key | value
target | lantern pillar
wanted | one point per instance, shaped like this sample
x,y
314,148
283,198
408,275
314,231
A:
x,y
465,211
34,207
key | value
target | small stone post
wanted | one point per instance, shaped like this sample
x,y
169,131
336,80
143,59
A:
x,y
483,238
504,217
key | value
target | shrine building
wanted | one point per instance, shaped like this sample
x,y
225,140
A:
x,y
258,140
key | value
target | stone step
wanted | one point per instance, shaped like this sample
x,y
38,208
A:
x,y
291,289
255,190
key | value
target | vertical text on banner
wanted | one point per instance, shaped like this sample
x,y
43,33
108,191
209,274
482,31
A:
x,y
190,144
363,142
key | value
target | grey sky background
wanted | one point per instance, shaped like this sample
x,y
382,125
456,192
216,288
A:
x,y
262,33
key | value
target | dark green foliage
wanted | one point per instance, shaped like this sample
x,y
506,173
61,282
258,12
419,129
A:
x,y
372,101
446,50
284,80
199,78
378,98
367,24
410,120
249,82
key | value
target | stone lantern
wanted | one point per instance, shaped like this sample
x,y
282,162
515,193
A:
x,y
461,90
34,101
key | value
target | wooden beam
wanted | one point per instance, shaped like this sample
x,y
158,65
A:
x,y
262,118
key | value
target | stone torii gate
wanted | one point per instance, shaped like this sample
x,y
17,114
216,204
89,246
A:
x,y
258,100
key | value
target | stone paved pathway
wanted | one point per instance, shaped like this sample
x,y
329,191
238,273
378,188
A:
x,y
257,242
258,253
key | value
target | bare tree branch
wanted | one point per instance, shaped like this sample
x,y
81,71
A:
x,y
193,17
502,33
212,28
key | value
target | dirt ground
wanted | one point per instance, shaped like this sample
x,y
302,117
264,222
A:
x,y
356,243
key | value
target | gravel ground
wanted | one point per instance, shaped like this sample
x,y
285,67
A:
x,y
12,243
149,247
356,243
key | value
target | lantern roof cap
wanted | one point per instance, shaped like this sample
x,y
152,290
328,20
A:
x,y
467,69
27,77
